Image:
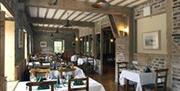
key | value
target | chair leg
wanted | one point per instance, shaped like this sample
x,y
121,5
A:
x,y
118,80
143,89
127,85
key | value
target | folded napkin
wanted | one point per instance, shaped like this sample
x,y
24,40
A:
x,y
78,82
40,79
42,87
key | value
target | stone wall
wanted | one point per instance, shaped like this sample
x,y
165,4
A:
x,y
175,44
155,59
122,51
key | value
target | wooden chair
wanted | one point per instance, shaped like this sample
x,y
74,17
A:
x,y
86,87
45,83
90,65
40,72
66,70
120,66
160,81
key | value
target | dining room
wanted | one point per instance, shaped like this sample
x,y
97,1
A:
x,y
89,45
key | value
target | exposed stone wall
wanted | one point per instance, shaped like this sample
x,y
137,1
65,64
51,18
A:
x,y
156,6
155,61
175,44
161,60
84,31
122,51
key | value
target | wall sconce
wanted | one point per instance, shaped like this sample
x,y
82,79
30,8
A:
x,y
76,39
81,39
111,40
124,32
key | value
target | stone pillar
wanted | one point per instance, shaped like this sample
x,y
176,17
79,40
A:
x,y
122,51
2,51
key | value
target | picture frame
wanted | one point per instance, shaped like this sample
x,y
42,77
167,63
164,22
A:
x,y
43,44
151,40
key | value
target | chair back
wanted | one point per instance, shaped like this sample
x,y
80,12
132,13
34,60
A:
x,y
40,72
45,83
161,78
120,66
66,71
85,85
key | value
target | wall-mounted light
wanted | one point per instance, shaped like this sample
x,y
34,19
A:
x,y
124,31
76,39
111,40
81,39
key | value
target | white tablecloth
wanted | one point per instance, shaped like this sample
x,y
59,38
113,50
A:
x,y
138,77
93,86
80,61
92,61
74,58
55,73
11,85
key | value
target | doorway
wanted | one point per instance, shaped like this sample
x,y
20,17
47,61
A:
x,y
108,49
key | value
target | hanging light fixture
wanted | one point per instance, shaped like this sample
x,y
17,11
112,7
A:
x,y
101,4
52,35
57,30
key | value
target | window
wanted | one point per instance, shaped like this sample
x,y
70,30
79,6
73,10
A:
x,y
59,46
87,46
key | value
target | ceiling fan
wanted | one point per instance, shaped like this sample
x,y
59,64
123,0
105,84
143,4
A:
x,y
67,24
101,4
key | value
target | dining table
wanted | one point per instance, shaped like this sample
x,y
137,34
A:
x,y
139,77
93,86
53,74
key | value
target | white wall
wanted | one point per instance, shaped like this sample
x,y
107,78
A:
x,y
10,50
149,24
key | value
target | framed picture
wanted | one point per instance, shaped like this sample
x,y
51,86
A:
x,y
43,44
151,40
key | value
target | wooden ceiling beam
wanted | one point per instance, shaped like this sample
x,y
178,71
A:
x,y
60,22
53,29
70,15
120,2
78,6
132,2
97,17
78,15
62,14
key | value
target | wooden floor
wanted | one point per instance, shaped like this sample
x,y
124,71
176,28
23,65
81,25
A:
x,y
107,79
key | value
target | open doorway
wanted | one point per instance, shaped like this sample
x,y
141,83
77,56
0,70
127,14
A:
x,y
108,49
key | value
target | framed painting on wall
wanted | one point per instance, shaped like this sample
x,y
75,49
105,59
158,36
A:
x,y
43,44
151,40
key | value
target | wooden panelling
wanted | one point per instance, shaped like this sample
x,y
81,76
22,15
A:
x,y
2,53
19,70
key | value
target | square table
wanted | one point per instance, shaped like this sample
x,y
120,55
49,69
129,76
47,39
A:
x,y
140,78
